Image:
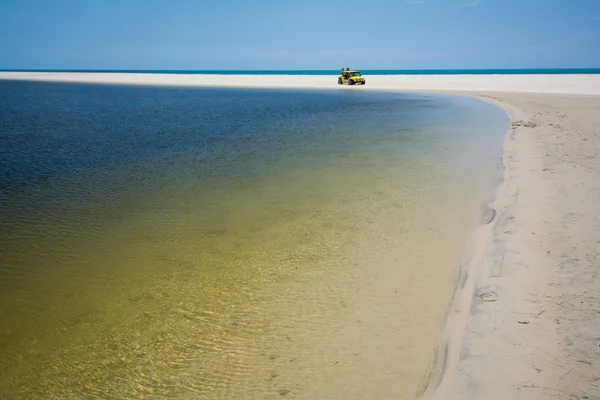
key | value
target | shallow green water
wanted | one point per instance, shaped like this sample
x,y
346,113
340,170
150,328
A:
x,y
185,243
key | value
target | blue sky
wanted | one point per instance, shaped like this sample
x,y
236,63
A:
x,y
300,34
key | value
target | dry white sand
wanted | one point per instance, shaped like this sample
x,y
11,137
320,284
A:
x,y
525,322
582,84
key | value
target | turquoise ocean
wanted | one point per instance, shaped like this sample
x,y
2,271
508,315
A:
x,y
539,71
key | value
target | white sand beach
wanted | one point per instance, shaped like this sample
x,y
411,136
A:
x,y
525,322
579,84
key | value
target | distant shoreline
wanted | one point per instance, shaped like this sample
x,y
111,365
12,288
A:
x,y
488,71
564,84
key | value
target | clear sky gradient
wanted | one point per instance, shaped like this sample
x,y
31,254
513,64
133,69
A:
x,y
301,34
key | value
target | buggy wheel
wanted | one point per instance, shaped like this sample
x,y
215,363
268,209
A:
x,y
340,82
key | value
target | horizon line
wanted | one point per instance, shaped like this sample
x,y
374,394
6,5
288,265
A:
x,y
297,69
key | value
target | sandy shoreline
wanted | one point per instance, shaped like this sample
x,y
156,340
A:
x,y
531,311
579,84
525,320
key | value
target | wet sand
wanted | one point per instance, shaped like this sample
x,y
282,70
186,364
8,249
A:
x,y
524,322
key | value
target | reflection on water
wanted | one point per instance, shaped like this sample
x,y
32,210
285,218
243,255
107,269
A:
x,y
196,243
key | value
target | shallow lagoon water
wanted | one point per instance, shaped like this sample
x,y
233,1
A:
x,y
229,243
